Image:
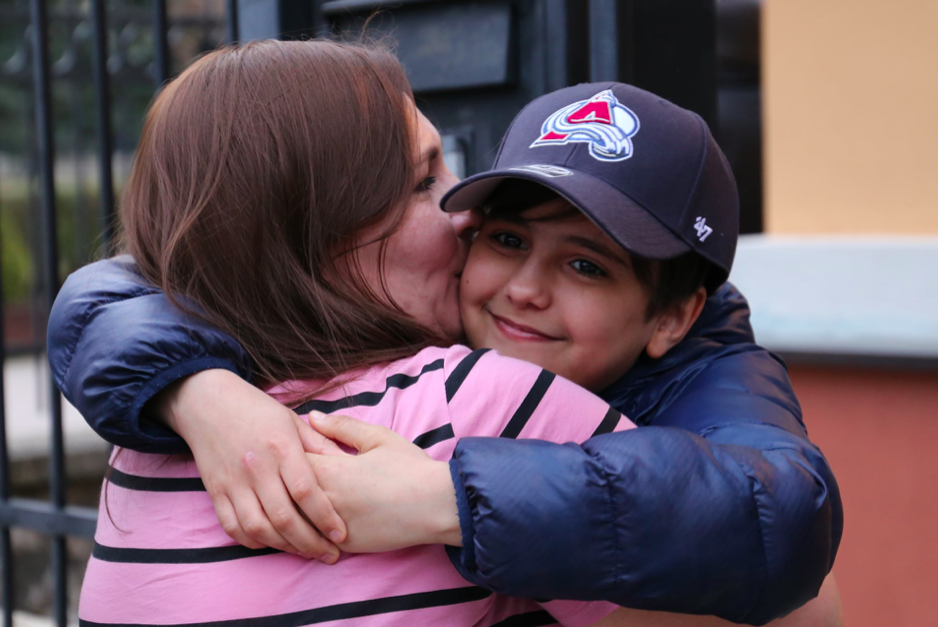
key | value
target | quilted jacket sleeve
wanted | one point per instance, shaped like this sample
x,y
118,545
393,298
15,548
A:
x,y
721,506
114,342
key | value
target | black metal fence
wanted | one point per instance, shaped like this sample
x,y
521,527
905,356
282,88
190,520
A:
x,y
473,65
55,518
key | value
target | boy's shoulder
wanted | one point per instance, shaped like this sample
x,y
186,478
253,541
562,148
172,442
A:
x,y
718,356
723,328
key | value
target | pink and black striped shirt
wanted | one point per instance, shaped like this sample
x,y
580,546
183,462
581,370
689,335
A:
x,y
161,557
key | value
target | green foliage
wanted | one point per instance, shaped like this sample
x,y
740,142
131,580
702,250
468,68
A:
x,y
79,228
73,105
14,258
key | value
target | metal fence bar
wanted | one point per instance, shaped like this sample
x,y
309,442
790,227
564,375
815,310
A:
x,y
6,547
48,519
103,104
160,43
43,104
6,559
53,518
232,21
604,40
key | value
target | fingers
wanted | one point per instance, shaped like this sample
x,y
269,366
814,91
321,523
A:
x,y
315,442
309,496
230,523
274,488
255,524
286,521
246,466
249,523
359,435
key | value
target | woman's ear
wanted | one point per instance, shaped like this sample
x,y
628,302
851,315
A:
x,y
672,325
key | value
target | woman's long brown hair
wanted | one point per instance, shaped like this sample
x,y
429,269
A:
x,y
256,169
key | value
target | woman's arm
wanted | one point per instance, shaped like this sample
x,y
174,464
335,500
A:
x,y
142,372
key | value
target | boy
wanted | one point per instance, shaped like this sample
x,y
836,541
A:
x,y
543,283
596,264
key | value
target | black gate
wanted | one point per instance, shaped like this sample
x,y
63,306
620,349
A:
x,y
85,33
473,65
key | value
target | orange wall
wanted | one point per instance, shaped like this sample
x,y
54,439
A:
x,y
850,100
879,430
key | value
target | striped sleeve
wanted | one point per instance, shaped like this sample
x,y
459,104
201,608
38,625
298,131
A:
x,y
492,395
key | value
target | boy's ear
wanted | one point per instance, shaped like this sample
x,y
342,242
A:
x,y
672,325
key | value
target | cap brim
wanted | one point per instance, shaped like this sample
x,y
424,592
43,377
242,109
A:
x,y
620,217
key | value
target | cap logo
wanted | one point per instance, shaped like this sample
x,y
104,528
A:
x,y
602,122
550,171
703,231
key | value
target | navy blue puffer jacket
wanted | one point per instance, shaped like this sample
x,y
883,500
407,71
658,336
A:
x,y
718,505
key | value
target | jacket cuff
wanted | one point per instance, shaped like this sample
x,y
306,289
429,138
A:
x,y
464,559
155,437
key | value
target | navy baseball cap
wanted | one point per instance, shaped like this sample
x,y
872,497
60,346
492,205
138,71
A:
x,y
644,170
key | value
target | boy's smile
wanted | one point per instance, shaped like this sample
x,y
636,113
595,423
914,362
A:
x,y
548,286
520,332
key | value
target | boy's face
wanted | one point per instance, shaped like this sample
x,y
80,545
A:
x,y
548,286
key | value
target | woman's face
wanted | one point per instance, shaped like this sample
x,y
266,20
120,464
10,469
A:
x,y
426,254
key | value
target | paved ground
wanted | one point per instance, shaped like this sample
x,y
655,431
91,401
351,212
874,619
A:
x,y
25,619
26,393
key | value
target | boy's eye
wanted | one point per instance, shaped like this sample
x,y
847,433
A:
x,y
425,184
587,268
508,240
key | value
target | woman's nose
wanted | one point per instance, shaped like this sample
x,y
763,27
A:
x,y
466,222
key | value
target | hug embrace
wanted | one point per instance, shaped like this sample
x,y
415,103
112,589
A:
x,y
556,405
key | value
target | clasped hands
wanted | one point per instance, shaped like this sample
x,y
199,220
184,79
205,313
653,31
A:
x,y
276,481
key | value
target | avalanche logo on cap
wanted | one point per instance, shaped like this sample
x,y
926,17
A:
x,y
602,122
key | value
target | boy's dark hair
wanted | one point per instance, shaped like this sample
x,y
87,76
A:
x,y
669,282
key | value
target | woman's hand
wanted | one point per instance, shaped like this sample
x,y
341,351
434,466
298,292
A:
x,y
391,495
249,451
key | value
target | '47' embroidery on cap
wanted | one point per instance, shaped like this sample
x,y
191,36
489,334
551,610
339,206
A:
x,y
602,122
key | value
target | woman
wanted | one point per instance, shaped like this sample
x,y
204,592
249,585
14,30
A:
x,y
176,274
